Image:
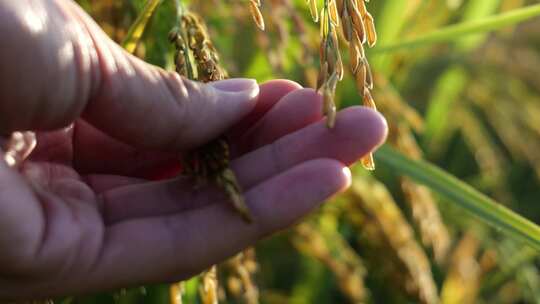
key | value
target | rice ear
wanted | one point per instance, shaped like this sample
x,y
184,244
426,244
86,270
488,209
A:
x,y
254,8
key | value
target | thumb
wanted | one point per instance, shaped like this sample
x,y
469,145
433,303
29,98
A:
x,y
146,106
68,67
158,109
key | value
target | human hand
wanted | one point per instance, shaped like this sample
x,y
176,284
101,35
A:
x,y
79,216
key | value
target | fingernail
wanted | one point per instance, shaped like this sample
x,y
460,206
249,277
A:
x,y
235,85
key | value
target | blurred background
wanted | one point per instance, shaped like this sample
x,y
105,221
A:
x,y
469,104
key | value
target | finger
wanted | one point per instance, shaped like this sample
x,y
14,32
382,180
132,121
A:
x,y
115,157
160,109
293,112
184,244
103,183
22,220
154,198
54,147
271,93
358,131
127,98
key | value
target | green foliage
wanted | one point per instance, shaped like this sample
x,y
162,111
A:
x,y
465,196
456,32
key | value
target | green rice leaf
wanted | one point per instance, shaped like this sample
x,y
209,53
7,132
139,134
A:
x,y
463,195
137,29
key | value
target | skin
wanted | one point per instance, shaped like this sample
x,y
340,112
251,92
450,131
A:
x,y
80,216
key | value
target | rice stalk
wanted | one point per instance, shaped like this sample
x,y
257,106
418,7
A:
x,y
512,259
254,9
197,59
425,212
239,277
512,127
392,239
176,293
463,280
136,31
335,253
428,218
208,289
490,159
498,99
358,28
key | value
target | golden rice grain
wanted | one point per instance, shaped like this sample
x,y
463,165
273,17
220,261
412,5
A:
x,y
333,13
357,22
197,59
358,28
240,271
370,30
463,280
332,250
208,289
391,238
254,8
176,292
368,162
313,10
360,76
368,100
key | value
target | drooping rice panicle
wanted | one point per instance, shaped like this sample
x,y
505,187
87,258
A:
x,y
390,239
197,59
424,210
208,289
254,8
313,10
358,28
239,277
463,280
331,249
176,293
